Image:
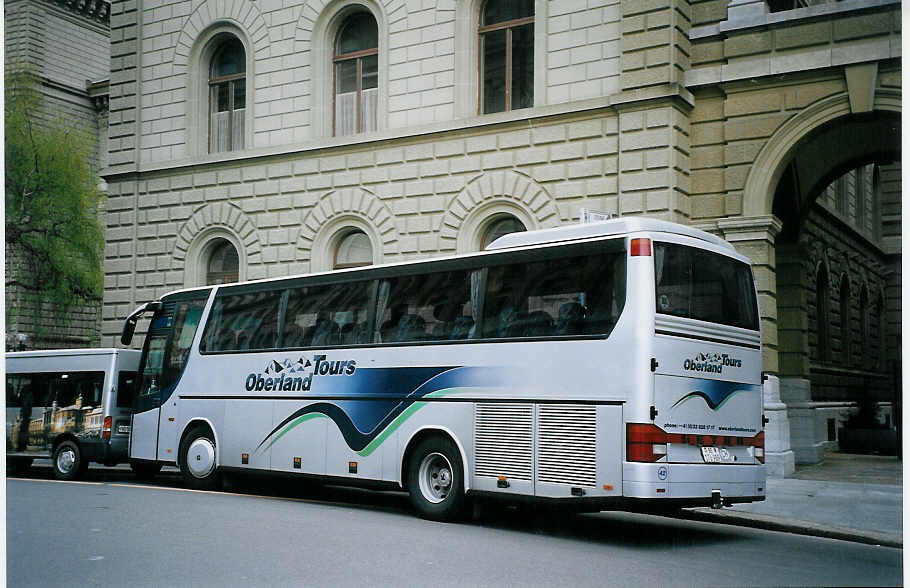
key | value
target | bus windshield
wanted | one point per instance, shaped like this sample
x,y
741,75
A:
x,y
699,284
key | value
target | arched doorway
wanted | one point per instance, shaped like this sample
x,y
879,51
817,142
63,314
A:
x,y
838,200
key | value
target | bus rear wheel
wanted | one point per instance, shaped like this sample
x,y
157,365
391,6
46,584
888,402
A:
x,y
68,462
436,480
197,460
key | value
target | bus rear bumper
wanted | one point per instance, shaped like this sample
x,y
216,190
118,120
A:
x,y
695,482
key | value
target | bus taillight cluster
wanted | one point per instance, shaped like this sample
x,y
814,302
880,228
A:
x,y
648,443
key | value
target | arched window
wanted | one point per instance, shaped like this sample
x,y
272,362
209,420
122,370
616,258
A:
x,y
864,320
882,355
223,264
499,226
227,96
846,358
353,250
356,59
506,55
823,344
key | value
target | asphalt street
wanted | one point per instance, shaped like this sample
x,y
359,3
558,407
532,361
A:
x,y
112,530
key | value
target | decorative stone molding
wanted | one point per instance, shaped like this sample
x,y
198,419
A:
x,y
244,15
507,191
340,209
220,219
97,10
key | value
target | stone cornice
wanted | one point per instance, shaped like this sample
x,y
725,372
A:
x,y
97,10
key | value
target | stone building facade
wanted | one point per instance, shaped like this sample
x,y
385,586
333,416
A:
x,y
258,139
65,44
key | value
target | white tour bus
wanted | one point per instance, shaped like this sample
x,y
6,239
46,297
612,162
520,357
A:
x,y
70,405
606,365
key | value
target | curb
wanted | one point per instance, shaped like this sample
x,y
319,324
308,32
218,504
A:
x,y
770,523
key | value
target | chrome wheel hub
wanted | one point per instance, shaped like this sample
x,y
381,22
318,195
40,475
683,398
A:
x,y
200,458
66,460
435,476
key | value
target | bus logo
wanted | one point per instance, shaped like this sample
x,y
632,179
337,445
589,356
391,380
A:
x,y
712,363
297,376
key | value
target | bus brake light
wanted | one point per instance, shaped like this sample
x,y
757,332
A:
x,y
640,248
645,442
106,428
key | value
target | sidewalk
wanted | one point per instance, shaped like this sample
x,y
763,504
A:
x,y
850,497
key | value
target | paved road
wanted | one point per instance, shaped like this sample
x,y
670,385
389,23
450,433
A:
x,y
113,531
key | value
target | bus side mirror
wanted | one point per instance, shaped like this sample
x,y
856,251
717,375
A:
x,y
129,327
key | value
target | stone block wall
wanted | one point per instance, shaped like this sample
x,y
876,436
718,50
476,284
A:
x,y
422,60
65,46
417,196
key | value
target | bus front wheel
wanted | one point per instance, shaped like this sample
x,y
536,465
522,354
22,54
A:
x,y
436,480
68,461
197,460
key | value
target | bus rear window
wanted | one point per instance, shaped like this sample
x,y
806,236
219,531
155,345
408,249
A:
x,y
703,285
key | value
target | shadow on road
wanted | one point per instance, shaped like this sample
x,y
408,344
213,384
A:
x,y
609,527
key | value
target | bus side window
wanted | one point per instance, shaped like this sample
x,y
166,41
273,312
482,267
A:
x,y
241,322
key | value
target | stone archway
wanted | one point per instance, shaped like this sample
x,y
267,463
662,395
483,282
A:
x,y
814,176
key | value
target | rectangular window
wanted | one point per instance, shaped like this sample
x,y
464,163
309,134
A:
x,y
126,388
323,316
522,91
559,297
494,71
426,307
241,322
703,285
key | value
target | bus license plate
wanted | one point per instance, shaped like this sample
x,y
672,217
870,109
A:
x,y
123,429
716,455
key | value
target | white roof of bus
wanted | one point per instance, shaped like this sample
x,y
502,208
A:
x,y
617,226
69,352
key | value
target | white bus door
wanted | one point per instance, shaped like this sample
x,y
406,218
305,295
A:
x,y
144,431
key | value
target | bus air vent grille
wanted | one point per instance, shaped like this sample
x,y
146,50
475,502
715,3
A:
x,y
504,440
567,450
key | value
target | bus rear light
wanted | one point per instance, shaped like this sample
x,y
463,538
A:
x,y
640,248
645,442
106,428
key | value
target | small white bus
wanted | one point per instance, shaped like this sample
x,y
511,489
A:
x,y
606,365
70,405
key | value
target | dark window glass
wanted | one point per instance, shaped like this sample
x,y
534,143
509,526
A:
x,y
323,316
356,75
703,285
427,307
507,55
224,263
227,97
566,296
126,388
500,11
494,71
522,91
243,322
845,321
166,349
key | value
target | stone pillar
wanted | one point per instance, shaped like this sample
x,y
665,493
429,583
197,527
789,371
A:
x,y
655,43
779,458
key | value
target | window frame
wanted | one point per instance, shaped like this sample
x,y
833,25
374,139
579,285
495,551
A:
x,y
375,274
358,56
213,81
507,25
